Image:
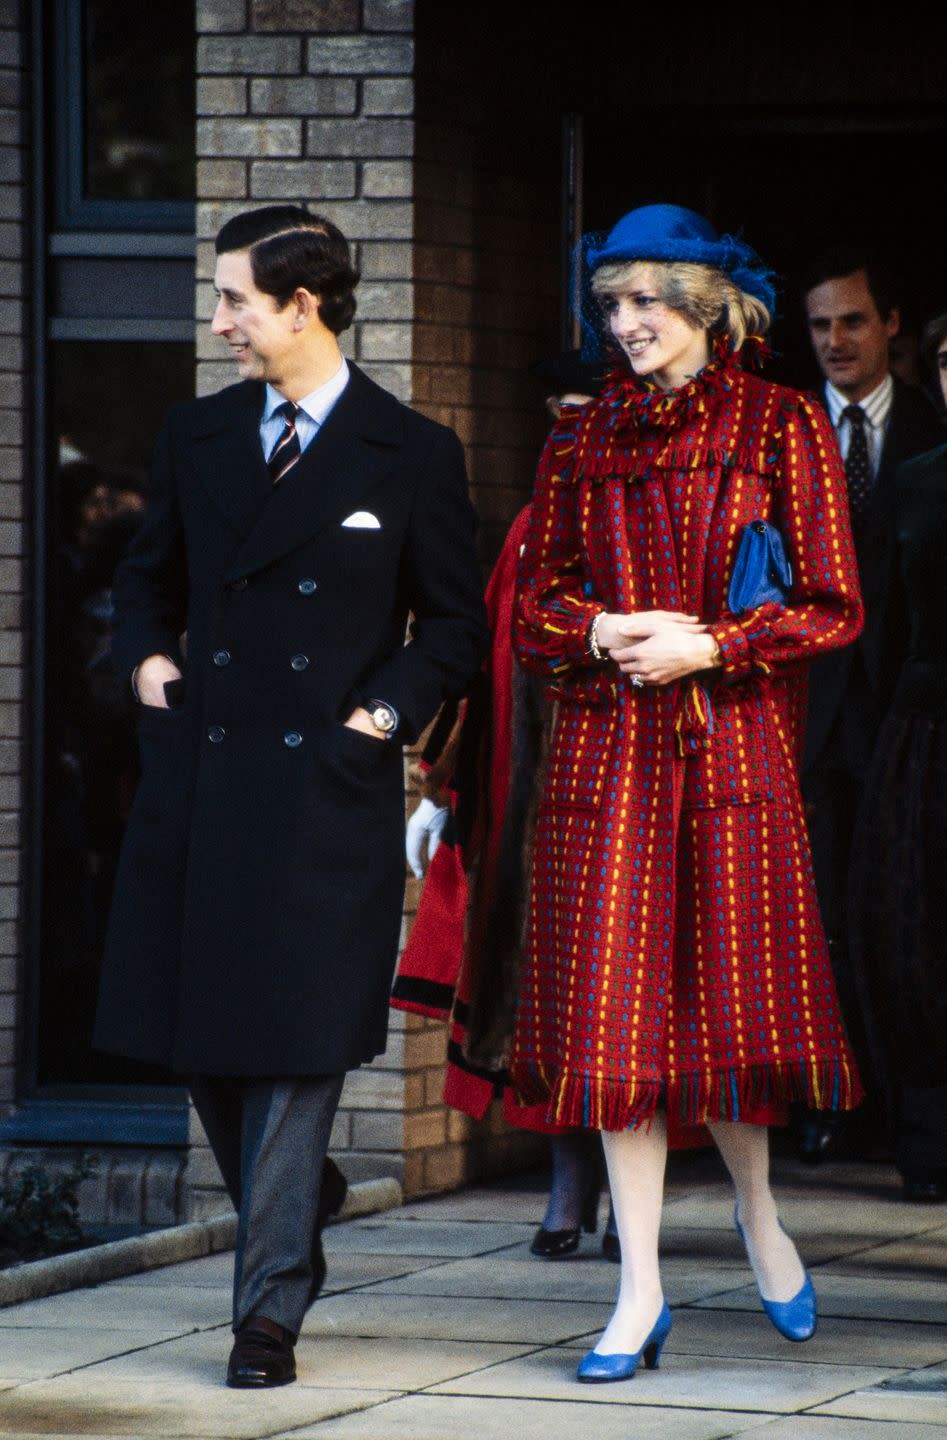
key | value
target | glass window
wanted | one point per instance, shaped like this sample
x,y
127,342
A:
x,y
138,100
108,399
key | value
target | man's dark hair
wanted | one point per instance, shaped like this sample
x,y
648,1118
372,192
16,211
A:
x,y
290,248
841,260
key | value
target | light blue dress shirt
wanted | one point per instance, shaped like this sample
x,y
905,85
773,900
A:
x,y
313,410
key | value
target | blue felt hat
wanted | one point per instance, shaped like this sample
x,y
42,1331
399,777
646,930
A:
x,y
667,232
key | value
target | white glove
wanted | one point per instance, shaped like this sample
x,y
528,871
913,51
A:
x,y
427,821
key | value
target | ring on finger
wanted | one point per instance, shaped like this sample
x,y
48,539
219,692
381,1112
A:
x,y
637,681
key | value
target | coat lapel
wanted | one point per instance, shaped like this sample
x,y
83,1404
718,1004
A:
x,y
229,456
352,452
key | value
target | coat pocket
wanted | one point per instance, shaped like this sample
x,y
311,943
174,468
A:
x,y
736,769
580,755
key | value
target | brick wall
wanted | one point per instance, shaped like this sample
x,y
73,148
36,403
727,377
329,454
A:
x,y
13,419
486,249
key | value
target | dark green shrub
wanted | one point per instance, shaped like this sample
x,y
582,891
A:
x,y
39,1214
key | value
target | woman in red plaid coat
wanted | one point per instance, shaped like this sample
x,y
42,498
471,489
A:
x,y
676,966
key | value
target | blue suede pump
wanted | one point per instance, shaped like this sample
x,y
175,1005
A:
x,y
795,1319
596,1369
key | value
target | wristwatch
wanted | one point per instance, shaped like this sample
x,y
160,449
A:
x,y
383,716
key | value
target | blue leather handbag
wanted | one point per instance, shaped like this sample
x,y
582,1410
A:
x,y
762,571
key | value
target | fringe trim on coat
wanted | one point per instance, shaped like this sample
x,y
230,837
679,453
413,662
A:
x,y
589,1103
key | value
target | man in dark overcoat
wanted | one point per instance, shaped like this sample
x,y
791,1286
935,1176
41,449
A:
x,y
879,421
296,520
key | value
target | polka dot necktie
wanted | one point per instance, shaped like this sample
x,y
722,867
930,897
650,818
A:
x,y
286,451
857,463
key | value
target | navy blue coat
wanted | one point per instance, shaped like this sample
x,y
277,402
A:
x,y
257,907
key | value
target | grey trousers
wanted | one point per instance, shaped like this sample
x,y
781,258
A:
x,y
270,1138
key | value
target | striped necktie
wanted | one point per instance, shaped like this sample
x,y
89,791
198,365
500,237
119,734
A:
x,y
286,451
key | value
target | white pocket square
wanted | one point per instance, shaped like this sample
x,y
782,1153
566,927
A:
x,y
362,520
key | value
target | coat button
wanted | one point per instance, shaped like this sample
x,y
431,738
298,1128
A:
x,y
240,584
307,587
221,658
292,738
215,733
300,662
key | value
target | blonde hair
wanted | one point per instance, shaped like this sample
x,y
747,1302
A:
x,y
705,297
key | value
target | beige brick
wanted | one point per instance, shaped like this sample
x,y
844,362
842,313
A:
x,y
11,127
12,202
445,1168
11,427
368,1089
211,378
8,974
11,463
359,55
394,378
221,178
11,610
388,15
223,95
423,1128
11,314
392,95
315,179
9,860
11,165
386,260
10,235
11,575
249,55
387,179
11,48
221,16
307,16
9,937
11,88
249,138
427,1049
317,95
385,342
385,300
377,1131
353,138
7,1011
412,1175
434,1087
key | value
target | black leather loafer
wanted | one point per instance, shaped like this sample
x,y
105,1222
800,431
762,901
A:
x,y
260,1360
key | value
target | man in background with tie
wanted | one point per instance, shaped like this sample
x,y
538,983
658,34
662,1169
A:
x,y
852,318
296,520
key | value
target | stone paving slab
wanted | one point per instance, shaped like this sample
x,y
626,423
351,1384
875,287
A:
x,y
836,1342
889,1405
438,1417
347,1269
813,1427
701,1382
323,1361
861,1296
107,1307
923,1255
183,1408
592,1278
446,1317
27,1355
420,1237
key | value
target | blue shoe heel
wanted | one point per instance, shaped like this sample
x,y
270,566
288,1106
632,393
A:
x,y
795,1319
596,1369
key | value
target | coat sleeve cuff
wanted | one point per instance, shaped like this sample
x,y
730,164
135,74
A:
x,y
736,659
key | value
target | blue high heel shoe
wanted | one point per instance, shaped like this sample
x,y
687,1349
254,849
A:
x,y
596,1369
795,1319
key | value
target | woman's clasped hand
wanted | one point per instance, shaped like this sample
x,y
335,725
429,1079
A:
x,y
657,646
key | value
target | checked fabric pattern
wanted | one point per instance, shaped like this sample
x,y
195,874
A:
x,y
674,950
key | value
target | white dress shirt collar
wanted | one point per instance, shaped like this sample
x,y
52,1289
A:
x,y
876,405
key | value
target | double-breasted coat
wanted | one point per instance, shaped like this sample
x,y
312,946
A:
x,y
674,948
257,905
